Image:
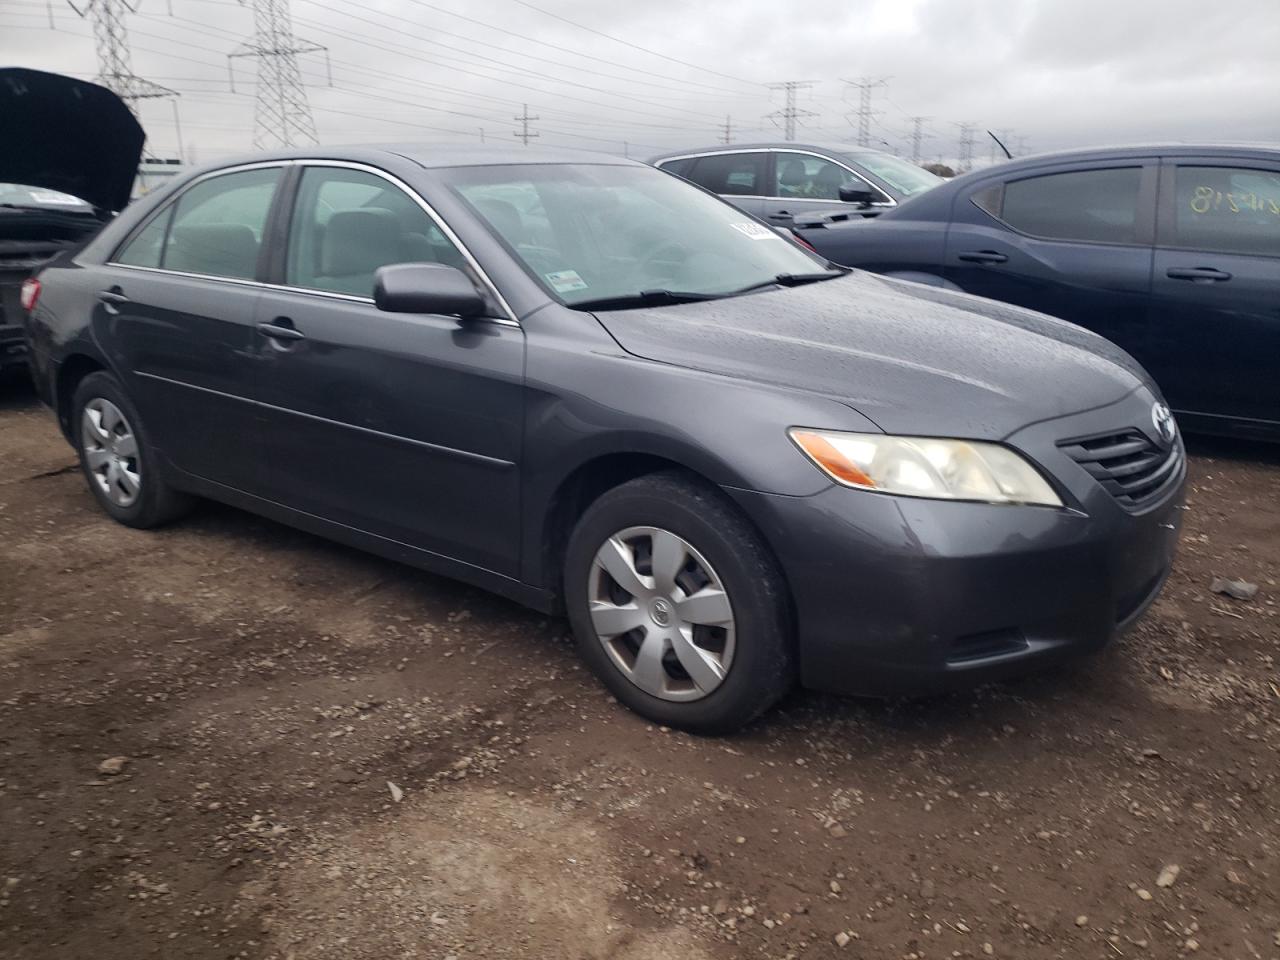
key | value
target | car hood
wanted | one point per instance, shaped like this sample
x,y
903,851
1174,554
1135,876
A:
x,y
913,359
68,135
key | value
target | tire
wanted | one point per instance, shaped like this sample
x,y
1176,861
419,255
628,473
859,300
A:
x,y
99,438
741,665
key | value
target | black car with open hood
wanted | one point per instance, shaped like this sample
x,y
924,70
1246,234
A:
x,y
69,152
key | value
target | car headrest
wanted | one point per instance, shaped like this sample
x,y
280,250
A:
x,y
503,216
221,249
358,242
830,178
792,173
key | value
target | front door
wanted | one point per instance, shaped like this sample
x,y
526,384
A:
x,y
805,183
406,426
180,302
1215,312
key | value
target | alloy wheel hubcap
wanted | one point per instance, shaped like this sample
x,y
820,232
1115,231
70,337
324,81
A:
x,y
111,452
661,613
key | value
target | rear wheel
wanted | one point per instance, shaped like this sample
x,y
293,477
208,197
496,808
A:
x,y
678,606
117,458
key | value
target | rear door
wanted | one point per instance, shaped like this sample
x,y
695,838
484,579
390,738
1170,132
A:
x,y
739,176
1215,309
807,183
406,426
1073,241
176,311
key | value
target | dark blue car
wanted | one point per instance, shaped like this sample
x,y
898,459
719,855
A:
x,y
1172,252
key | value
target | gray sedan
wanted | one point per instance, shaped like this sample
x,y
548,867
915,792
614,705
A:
x,y
593,388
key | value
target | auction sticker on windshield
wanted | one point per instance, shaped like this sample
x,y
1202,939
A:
x,y
565,281
756,231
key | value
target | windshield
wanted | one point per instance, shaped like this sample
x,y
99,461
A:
x,y
595,232
902,175
19,195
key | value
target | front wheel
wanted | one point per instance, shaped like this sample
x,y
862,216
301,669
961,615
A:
x,y
678,606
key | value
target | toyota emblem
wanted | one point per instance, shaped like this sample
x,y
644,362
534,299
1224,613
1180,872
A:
x,y
1162,418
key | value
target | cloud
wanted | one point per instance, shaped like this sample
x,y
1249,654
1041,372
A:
x,y
1058,72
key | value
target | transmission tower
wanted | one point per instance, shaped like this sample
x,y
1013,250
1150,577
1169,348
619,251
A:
x,y
917,136
281,114
726,134
964,159
115,63
790,113
523,133
866,86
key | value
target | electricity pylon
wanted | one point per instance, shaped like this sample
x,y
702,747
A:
x,y
281,114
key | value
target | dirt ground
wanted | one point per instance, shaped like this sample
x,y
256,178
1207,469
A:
x,y
268,689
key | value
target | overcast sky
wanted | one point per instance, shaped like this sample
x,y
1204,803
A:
x,y
660,74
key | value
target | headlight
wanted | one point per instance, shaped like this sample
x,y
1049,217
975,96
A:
x,y
925,467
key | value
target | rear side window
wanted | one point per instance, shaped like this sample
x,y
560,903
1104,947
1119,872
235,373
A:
x,y
740,174
1227,209
348,223
218,225
679,167
1093,205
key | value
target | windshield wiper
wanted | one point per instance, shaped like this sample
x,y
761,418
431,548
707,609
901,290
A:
x,y
794,279
645,298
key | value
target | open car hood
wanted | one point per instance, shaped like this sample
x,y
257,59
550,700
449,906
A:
x,y
68,135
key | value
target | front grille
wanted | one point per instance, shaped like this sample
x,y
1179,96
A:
x,y
1129,466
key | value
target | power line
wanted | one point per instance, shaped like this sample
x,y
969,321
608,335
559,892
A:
x,y
790,113
866,86
523,134
634,46
569,50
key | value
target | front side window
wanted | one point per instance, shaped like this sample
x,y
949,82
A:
x,y
147,247
217,226
1094,205
1227,209
903,175
593,232
807,177
739,174
348,223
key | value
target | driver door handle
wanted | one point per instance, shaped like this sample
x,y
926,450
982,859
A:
x,y
112,296
280,329
1197,274
780,215
981,256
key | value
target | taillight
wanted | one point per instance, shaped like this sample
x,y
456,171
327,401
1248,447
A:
x,y
30,293
803,242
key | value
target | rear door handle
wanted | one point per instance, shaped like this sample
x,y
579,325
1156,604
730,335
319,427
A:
x,y
277,331
112,296
1197,274
981,256
780,215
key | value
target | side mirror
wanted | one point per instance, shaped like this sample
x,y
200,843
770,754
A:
x,y
426,288
859,195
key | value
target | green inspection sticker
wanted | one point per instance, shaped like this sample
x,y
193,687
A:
x,y
565,281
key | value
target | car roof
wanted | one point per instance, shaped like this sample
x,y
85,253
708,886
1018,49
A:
x,y
1179,149
436,155
843,149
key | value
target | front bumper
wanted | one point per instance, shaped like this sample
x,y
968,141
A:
x,y
903,596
